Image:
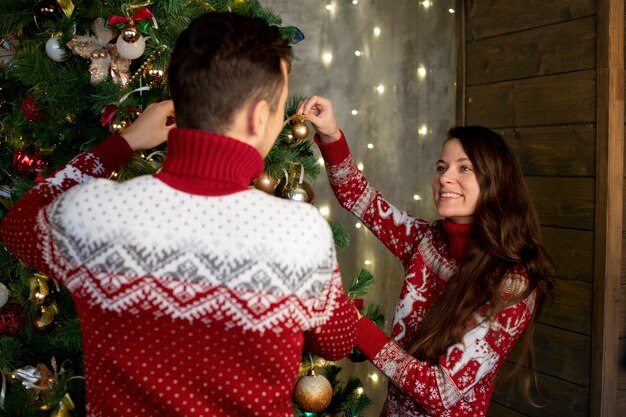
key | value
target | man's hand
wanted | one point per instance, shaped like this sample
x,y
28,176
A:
x,y
319,111
151,128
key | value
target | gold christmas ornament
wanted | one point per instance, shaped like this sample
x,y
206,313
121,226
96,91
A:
x,y
65,405
300,131
265,183
120,126
154,76
104,56
40,294
313,392
130,33
299,128
44,320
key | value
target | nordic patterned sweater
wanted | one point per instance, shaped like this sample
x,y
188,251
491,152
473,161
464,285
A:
x,y
196,294
461,383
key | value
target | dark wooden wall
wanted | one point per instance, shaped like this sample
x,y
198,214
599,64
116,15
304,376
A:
x,y
530,69
621,385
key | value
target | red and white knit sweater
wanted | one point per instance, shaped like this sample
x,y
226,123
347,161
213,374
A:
x,y
195,293
461,384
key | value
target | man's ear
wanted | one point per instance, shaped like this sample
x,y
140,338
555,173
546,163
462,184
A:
x,y
259,114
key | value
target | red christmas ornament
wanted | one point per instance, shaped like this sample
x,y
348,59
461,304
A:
x,y
108,114
30,110
12,319
29,162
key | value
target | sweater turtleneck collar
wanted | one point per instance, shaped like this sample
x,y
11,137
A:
x,y
459,238
205,163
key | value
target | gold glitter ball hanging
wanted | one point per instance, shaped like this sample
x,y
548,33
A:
x,y
313,393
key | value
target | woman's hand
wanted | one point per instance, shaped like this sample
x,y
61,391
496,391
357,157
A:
x,y
319,111
151,128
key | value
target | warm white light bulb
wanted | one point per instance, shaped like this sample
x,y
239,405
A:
x,y
358,225
359,390
380,88
355,112
327,57
330,7
355,1
324,211
421,72
423,130
320,161
357,53
377,31
367,262
416,197
450,10
360,166
427,4
373,377
370,146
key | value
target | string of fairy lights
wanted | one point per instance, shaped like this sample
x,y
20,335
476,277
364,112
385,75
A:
x,y
423,130
421,74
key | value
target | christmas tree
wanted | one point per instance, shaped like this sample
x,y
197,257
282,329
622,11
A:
x,y
70,75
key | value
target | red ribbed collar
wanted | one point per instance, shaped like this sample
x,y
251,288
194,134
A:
x,y
208,163
459,238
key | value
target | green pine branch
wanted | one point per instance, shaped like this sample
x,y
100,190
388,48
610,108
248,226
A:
x,y
340,235
361,283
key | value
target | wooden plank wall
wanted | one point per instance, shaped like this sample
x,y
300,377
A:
x,y
609,207
530,74
621,381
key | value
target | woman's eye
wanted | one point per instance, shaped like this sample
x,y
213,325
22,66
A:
x,y
466,168
441,168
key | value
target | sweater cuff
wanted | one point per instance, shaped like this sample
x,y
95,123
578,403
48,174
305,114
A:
x,y
333,152
113,152
369,338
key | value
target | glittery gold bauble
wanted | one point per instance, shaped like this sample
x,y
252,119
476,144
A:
x,y
300,130
265,183
298,192
130,33
154,77
313,393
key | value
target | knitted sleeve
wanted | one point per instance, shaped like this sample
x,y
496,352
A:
x,y
335,338
465,373
25,227
398,231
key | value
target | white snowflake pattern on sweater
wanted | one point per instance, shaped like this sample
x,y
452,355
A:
x,y
190,305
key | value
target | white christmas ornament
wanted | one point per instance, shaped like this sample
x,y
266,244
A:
x,y
4,294
54,50
131,50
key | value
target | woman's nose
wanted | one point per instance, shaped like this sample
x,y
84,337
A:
x,y
446,177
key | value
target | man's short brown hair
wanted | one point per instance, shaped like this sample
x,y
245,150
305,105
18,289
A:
x,y
220,62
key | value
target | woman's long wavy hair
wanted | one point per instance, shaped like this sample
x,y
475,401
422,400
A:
x,y
505,233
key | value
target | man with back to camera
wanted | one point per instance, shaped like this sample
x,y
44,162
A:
x,y
196,293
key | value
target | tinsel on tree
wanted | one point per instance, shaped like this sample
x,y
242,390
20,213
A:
x,y
71,73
